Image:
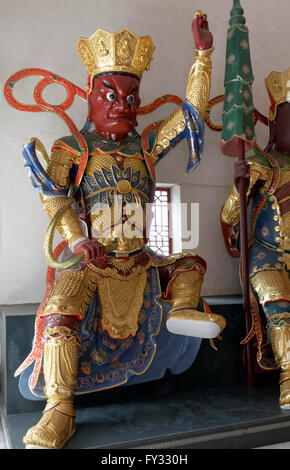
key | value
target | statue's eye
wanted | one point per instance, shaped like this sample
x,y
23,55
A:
x,y
130,99
111,96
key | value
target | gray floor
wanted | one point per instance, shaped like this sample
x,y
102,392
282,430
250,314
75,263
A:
x,y
239,415
3,444
17,424
283,445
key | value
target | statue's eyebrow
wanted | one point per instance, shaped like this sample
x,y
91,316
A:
x,y
108,85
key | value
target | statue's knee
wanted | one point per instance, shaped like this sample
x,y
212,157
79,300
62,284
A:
x,y
270,287
188,262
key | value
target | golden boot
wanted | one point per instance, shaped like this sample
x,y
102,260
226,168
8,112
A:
x,y
183,318
279,332
60,372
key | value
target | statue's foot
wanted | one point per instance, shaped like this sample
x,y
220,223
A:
x,y
285,395
190,322
54,429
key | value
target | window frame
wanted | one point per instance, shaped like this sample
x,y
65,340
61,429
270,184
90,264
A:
x,y
167,190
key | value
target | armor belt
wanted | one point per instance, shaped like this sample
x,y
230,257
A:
x,y
120,285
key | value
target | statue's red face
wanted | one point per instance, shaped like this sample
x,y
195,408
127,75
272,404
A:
x,y
113,105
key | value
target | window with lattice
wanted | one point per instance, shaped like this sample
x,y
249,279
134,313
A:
x,y
159,235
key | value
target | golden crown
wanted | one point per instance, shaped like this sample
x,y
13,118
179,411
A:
x,y
115,52
278,86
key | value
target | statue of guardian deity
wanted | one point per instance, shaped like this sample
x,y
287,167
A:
x,y
120,314
268,173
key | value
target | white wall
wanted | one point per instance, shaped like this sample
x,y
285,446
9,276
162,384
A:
x,y
44,34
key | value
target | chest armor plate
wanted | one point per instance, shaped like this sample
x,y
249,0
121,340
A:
x,y
116,189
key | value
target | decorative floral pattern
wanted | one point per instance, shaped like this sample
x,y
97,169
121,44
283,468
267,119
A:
x,y
244,44
246,69
261,255
248,131
231,59
99,356
86,368
107,361
265,231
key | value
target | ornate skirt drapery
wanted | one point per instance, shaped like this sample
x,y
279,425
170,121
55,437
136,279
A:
x,y
105,362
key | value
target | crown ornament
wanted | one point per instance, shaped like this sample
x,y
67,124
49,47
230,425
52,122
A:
x,y
278,87
115,52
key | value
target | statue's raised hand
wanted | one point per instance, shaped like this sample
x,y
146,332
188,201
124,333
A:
x,y
203,38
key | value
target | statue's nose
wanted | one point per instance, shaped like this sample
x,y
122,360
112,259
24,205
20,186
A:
x,y
122,105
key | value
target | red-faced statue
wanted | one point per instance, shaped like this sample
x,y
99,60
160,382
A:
x,y
113,105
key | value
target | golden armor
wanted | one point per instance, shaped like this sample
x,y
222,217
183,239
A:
x,y
270,232
279,332
184,292
269,278
60,371
278,87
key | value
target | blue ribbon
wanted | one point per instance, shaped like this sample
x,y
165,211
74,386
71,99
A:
x,y
38,176
194,134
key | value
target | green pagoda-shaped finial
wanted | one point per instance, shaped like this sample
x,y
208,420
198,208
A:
x,y
238,104
237,14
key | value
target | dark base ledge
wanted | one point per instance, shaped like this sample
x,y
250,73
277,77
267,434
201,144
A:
x,y
207,407
226,418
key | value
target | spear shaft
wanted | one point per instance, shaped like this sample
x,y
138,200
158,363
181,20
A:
x,y
243,188
238,136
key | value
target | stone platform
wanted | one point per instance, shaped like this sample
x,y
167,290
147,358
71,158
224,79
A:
x,y
208,406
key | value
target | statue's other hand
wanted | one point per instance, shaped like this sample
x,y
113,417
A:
x,y
92,249
241,170
203,38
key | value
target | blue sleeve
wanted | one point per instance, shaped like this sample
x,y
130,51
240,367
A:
x,y
194,134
